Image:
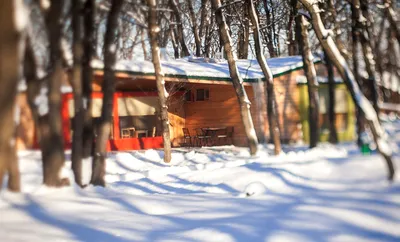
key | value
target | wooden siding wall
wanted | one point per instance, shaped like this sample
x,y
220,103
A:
x,y
176,115
222,109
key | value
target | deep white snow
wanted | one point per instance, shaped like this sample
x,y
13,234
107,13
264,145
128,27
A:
x,y
325,194
195,67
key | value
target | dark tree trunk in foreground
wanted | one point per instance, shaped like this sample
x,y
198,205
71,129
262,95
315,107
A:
x,y
181,36
269,80
11,51
195,28
355,35
89,41
360,100
76,83
312,83
108,89
244,102
50,124
162,92
333,138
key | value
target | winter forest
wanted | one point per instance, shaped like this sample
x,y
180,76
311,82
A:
x,y
94,173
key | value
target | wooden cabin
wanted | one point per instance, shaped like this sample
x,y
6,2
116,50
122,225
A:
x,y
202,95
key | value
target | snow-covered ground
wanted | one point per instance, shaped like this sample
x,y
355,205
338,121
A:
x,y
213,194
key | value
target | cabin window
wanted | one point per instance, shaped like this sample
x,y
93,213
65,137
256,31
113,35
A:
x,y
341,109
138,116
188,96
202,94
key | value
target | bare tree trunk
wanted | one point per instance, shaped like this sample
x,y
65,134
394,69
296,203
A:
x,y
333,138
11,52
292,36
203,19
366,45
194,27
269,32
269,80
312,83
142,34
162,92
207,44
360,100
108,89
89,43
181,36
392,17
237,80
174,44
76,83
355,34
243,37
50,124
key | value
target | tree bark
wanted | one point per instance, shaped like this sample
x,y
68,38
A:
x,y
392,18
203,19
243,38
181,35
162,92
359,99
312,83
174,43
76,83
50,124
292,50
269,32
373,78
333,138
89,43
355,35
237,80
108,89
195,28
269,80
142,34
208,38
11,52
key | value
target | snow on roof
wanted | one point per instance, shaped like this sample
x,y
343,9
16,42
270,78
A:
x,y
203,68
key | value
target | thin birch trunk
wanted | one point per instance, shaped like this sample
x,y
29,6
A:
x,y
142,38
327,42
237,80
11,52
76,83
108,89
269,80
162,92
89,43
312,83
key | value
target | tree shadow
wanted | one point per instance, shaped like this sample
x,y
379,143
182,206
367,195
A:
x,y
79,230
